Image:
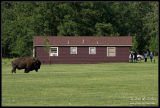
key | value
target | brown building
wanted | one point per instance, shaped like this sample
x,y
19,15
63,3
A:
x,y
84,49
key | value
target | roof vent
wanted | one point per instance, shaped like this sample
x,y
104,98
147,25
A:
x,y
97,42
68,41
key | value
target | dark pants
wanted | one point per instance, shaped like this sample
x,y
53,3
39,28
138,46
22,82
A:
x,y
151,59
132,60
135,59
145,59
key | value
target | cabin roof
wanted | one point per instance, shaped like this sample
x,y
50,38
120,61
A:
x,y
84,41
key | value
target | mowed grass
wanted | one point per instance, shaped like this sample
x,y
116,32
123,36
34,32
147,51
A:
x,y
104,84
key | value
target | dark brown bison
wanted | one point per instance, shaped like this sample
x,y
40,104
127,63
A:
x,y
27,63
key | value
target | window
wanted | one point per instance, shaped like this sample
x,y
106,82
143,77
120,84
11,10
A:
x,y
73,50
92,50
111,51
33,51
54,51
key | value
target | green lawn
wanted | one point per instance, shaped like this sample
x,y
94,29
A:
x,y
105,84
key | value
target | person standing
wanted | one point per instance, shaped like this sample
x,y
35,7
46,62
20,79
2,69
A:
x,y
151,56
145,56
135,56
131,57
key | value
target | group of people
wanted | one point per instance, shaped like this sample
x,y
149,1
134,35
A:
x,y
150,56
134,56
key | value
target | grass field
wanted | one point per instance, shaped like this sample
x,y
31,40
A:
x,y
105,84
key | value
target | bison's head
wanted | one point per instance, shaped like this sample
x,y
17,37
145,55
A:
x,y
37,64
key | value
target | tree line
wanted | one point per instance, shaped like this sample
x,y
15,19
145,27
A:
x,y
21,21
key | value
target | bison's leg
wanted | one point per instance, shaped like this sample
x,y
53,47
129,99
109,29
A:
x,y
26,71
36,70
14,70
13,67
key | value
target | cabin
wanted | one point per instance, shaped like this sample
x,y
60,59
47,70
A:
x,y
82,49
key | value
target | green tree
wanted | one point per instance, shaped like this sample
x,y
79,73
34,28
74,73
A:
x,y
103,29
151,28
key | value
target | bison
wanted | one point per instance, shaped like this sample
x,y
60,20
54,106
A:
x,y
27,63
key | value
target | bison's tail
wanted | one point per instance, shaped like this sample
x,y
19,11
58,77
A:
x,y
12,64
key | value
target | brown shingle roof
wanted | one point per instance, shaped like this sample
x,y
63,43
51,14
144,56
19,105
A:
x,y
84,41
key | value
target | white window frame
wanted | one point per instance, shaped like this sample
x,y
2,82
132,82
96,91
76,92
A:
x,y
71,50
33,51
90,50
109,52
51,54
